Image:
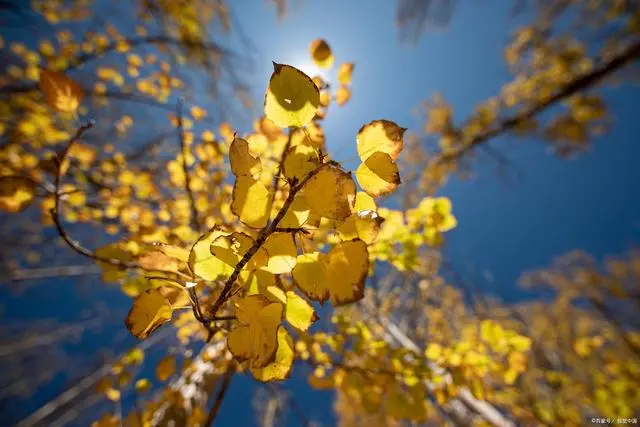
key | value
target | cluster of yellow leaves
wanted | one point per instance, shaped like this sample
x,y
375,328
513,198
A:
x,y
323,58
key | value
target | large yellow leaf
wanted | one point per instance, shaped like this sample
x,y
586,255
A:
x,y
157,260
149,311
321,53
378,175
344,73
348,266
242,162
311,275
255,338
231,249
299,161
331,193
202,262
380,135
16,193
282,253
165,368
280,368
338,275
60,91
292,98
251,202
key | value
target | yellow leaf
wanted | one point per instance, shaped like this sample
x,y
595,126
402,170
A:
x,y
142,385
282,253
165,368
312,135
280,368
364,202
292,98
299,161
16,193
380,135
520,343
348,266
343,95
378,175
321,53
149,311
255,339
331,193
310,275
201,262
242,162
60,92
299,313
344,73
251,202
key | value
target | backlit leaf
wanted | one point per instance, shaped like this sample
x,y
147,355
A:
x,y
149,311
255,338
251,202
321,53
242,162
380,135
202,262
331,193
344,73
378,175
299,161
280,368
292,98
282,253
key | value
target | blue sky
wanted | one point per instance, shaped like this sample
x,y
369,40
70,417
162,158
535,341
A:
x,y
504,227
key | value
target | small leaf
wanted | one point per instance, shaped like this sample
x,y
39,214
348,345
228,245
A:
x,y
299,161
321,53
282,253
343,95
149,311
165,368
202,262
16,193
344,73
60,91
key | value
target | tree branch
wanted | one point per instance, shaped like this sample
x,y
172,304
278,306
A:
x,y
195,223
584,82
226,382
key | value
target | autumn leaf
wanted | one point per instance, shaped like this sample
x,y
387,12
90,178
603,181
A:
x,y
378,174
149,311
321,53
292,98
165,368
331,193
60,91
344,73
255,338
242,161
280,368
380,135
16,193
251,201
